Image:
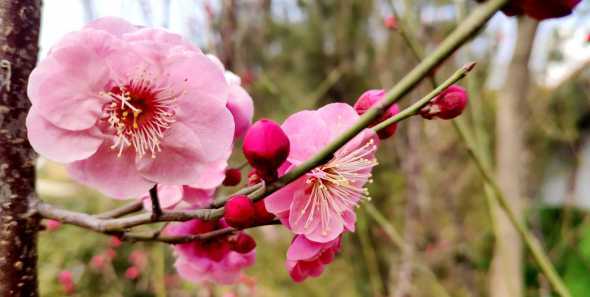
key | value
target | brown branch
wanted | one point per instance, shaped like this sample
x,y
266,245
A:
x,y
157,237
156,210
120,224
121,211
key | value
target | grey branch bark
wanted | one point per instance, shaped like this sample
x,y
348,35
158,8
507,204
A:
x,y
506,276
19,35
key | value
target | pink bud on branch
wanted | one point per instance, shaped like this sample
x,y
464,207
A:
x,y
447,105
239,212
367,100
266,147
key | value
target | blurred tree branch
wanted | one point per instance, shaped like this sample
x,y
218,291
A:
x,y
506,277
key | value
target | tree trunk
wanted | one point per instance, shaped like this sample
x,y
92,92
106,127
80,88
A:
x,y
19,35
506,276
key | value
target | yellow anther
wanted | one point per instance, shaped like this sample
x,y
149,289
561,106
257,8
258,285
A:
x,y
135,116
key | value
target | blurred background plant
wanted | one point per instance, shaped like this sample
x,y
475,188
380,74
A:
x,y
531,87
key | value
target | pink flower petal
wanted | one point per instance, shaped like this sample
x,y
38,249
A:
x,y
305,142
114,25
197,197
303,249
215,133
303,221
178,162
58,144
349,218
242,108
65,87
338,117
115,176
280,201
169,196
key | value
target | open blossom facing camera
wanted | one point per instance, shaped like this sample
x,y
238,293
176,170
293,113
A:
x,y
219,259
320,205
127,107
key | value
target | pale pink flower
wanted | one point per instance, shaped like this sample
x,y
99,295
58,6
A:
x,y
98,262
321,204
306,258
138,258
127,107
212,260
66,280
239,102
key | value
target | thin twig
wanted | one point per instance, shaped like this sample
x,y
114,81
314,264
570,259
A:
x,y
531,242
124,210
158,237
457,38
121,224
397,240
415,108
156,210
250,190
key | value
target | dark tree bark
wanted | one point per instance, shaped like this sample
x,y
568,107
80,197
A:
x,y
19,35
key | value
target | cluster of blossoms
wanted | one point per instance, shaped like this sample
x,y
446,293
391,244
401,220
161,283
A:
x,y
128,108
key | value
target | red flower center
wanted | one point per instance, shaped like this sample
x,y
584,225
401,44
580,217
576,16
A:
x,y
139,113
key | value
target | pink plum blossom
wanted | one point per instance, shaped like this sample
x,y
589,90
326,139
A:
x,y
211,260
66,280
306,258
132,273
126,108
321,204
239,101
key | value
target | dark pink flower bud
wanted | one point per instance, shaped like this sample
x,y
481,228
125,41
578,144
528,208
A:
x,y
447,105
52,225
233,177
242,243
539,9
262,216
98,262
367,100
266,147
390,22
239,212
547,9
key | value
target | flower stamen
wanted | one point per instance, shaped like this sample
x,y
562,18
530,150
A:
x,y
338,186
140,113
